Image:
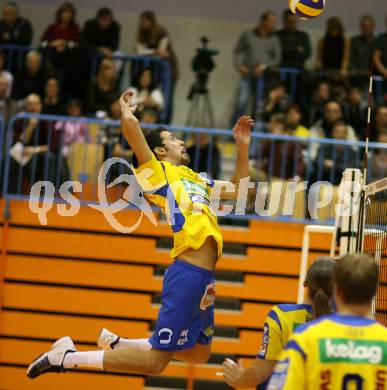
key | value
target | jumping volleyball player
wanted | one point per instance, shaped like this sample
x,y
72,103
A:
x,y
347,350
280,323
184,326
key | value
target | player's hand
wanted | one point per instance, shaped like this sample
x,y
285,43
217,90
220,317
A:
x,y
242,131
128,104
232,372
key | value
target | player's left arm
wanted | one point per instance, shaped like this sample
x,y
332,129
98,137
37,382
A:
x,y
242,136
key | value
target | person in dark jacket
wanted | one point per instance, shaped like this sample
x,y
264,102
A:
x,y
14,30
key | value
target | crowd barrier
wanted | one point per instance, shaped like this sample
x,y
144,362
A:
x,y
281,166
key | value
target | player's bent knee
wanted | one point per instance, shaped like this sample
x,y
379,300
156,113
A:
x,y
156,364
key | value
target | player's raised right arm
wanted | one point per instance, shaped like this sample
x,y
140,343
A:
x,y
131,129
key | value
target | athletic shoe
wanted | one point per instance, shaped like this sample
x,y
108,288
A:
x,y
107,340
52,361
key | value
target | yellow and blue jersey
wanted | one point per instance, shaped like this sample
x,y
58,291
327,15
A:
x,y
280,323
185,198
334,352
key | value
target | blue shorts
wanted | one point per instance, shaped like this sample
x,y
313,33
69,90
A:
x,y
186,316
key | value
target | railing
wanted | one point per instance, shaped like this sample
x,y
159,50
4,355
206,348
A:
x,y
15,56
280,163
1,151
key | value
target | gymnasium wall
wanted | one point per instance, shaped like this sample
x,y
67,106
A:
x,y
221,20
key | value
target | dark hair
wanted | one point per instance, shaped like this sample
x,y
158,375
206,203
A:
x,y
319,280
105,11
155,32
294,107
67,6
367,18
137,81
333,23
287,13
74,102
153,139
266,15
356,277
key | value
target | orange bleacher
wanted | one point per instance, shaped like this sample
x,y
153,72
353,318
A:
x,y
77,275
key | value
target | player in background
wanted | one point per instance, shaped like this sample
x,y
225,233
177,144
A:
x,y
184,327
346,350
280,324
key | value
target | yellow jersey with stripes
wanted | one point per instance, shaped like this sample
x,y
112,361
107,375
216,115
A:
x,y
185,198
334,352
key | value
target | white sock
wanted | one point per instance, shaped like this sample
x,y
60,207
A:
x,y
92,359
136,344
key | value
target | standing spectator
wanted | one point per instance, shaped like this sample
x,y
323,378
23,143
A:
x,y
14,30
332,160
377,166
333,50
293,117
362,49
257,50
323,128
295,44
32,78
52,104
60,38
103,89
153,39
276,101
71,132
5,73
313,107
148,95
205,157
7,106
355,111
379,125
380,57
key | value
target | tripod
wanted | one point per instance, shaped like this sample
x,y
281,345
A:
x,y
200,113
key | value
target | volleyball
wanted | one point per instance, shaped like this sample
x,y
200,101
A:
x,y
307,9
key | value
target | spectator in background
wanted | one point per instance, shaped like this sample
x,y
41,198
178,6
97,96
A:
x,y
333,50
5,73
149,116
147,94
52,104
7,105
256,51
71,132
276,101
380,57
355,111
362,49
32,136
295,44
205,157
323,128
379,125
32,78
332,160
377,165
103,89
293,117
313,106
153,39
60,38
14,30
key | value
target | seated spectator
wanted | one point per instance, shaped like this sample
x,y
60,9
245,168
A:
x,y
277,158
377,165
380,58
32,158
332,160
153,39
205,157
379,124
295,44
52,104
362,49
104,88
257,50
323,127
61,37
333,49
313,106
7,106
71,132
32,78
149,116
276,101
5,73
293,117
14,30
147,94
355,111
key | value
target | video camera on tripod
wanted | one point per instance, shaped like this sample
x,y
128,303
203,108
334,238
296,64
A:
x,y
202,65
